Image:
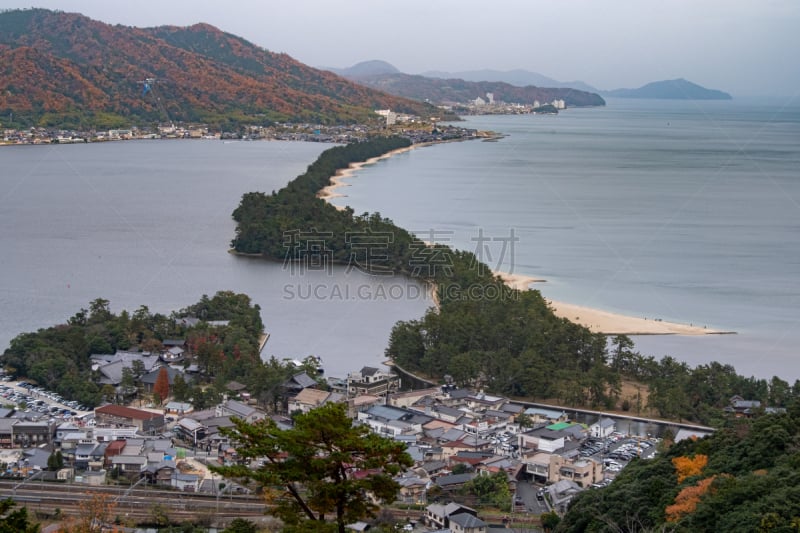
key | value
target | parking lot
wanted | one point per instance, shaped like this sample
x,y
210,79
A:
x,y
617,450
36,401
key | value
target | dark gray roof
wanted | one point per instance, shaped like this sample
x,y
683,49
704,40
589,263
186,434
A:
x,y
454,479
466,520
85,448
302,380
173,342
512,408
369,371
546,433
433,466
151,377
449,411
387,412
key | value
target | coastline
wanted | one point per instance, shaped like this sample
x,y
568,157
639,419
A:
x,y
596,320
328,192
606,322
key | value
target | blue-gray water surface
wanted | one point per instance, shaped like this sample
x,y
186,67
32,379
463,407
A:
x,y
149,223
684,211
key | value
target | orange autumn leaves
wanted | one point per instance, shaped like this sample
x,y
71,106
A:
x,y
687,499
689,466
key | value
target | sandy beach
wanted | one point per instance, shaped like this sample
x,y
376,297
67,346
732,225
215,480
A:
x,y
329,192
599,321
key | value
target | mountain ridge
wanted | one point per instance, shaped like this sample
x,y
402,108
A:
x,y
455,90
202,73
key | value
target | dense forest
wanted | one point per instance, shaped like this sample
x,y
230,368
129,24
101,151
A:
x,y
482,333
64,69
744,477
58,357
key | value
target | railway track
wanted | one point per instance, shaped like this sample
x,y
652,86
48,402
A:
x,y
135,506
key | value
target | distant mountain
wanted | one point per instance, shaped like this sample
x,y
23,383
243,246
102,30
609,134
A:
x,y
518,77
679,89
443,91
374,67
64,69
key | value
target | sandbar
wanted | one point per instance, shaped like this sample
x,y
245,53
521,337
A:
x,y
606,322
596,320
329,192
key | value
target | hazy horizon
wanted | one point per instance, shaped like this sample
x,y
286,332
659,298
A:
x,y
743,48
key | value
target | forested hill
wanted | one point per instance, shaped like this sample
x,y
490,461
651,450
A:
x,y
439,90
744,477
66,69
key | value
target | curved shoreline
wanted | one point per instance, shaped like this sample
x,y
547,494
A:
x,y
606,322
596,320
328,192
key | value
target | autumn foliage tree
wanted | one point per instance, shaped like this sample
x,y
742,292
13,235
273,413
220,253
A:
x,y
689,466
687,499
161,387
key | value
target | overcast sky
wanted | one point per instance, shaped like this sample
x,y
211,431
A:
x,y
742,47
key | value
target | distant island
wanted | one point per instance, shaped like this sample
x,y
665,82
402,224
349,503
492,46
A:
x,y
679,89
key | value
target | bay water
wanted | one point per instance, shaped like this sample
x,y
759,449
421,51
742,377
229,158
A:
x,y
683,211
149,223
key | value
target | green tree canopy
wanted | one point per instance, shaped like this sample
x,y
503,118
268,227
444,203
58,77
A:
x,y
323,466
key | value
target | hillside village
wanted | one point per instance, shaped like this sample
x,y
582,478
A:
x,y
452,434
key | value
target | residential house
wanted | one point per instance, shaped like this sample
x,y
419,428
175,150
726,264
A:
x,y
239,410
362,403
561,493
90,456
119,415
481,402
453,481
131,467
437,515
178,408
409,398
543,415
113,449
186,482
160,473
583,471
413,488
308,399
466,523
370,380
299,382
7,432
603,428
537,466
191,430
542,439
742,408
26,433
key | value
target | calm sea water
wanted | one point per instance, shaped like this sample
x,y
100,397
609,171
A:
x,y
149,223
685,211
